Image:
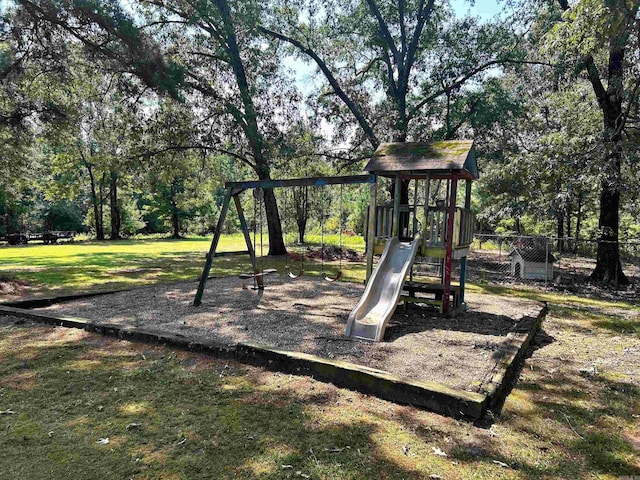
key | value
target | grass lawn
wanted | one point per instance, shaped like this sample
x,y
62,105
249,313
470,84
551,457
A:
x,y
89,266
78,405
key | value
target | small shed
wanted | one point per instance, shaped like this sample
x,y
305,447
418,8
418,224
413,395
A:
x,y
532,263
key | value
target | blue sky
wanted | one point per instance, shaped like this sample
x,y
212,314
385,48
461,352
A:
x,y
484,9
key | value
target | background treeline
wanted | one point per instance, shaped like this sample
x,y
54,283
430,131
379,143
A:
x,y
127,117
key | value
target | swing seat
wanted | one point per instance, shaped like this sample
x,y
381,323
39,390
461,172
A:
x,y
248,276
337,277
257,277
294,275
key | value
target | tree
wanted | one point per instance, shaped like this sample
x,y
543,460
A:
x,y
225,68
387,61
178,176
101,134
600,38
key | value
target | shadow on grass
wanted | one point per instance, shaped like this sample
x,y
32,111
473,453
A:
x,y
172,413
588,417
121,410
620,325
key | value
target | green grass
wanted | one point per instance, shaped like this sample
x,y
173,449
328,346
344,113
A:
x,y
177,415
191,416
89,266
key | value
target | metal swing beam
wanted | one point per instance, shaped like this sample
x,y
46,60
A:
x,y
234,189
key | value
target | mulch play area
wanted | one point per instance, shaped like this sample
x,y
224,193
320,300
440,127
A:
x,y
463,354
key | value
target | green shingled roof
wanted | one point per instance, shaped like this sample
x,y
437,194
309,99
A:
x,y
415,157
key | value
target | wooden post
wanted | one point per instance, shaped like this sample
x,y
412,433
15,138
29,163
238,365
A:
x,y
415,207
453,191
467,195
371,227
463,278
395,232
463,261
212,250
245,233
426,240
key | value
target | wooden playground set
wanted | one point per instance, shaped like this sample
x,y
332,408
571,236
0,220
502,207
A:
x,y
435,228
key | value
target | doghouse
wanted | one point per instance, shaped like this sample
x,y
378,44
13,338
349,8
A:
x,y
532,264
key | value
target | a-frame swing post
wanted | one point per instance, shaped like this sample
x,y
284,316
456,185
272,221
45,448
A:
x,y
212,249
245,232
247,240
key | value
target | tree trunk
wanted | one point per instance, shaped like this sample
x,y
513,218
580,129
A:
x,y
175,222
276,241
249,122
175,214
97,216
560,230
568,218
578,221
301,198
100,222
608,267
114,208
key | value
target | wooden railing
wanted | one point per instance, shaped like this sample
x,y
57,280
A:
x,y
436,227
433,229
384,221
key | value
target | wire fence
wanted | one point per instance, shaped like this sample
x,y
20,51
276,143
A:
x,y
542,261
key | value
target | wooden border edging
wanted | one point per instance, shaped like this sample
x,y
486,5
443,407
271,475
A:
x,y
48,301
430,395
504,373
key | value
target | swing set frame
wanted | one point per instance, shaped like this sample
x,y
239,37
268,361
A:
x,y
233,192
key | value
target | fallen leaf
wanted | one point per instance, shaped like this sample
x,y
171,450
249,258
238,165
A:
x,y
181,442
103,441
286,466
334,450
7,412
405,449
502,464
437,451
131,426
433,476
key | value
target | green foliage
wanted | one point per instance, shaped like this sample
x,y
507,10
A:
x,y
63,215
131,217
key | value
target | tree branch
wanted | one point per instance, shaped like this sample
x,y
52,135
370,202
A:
x,y
384,30
174,148
355,110
467,76
423,15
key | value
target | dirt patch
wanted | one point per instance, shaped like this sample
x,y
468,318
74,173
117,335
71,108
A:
x,y
332,252
309,315
10,289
